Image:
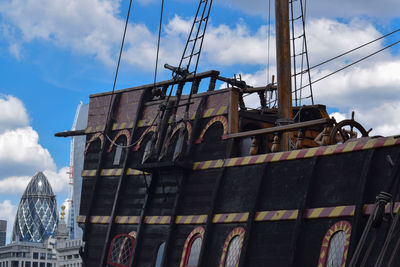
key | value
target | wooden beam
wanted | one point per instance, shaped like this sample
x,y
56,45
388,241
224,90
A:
x,y
70,133
284,128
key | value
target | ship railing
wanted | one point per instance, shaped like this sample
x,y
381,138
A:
x,y
300,127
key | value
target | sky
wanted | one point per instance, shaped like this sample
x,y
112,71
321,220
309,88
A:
x,y
55,53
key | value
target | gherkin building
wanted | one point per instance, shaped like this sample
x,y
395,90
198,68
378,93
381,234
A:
x,y
37,215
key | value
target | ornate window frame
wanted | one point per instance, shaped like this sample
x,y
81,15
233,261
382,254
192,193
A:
x,y
344,226
198,232
131,237
238,231
94,137
222,120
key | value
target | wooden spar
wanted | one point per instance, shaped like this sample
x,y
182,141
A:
x,y
285,112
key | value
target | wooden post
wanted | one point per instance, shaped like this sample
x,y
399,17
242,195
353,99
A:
x,y
285,112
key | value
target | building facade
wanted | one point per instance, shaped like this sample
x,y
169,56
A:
x,y
78,143
28,254
3,231
37,215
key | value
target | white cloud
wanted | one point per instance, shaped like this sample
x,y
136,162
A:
x,y
8,212
21,153
13,113
16,185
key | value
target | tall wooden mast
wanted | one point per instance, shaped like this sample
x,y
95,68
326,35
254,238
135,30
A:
x,y
285,112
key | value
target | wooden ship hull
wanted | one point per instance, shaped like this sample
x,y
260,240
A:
x,y
284,206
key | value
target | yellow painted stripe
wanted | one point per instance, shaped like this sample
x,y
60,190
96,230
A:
x,y
315,213
216,218
188,219
294,215
230,217
278,215
336,211
261,158
193,116
390,141
370,144
232,162
246,160
349,147
164,219
329,150
202,219
261,215
293,154
221,110
153,219
219,163
118,173
277,156
245,217
196,165
206,165
208,112
311,152
178,219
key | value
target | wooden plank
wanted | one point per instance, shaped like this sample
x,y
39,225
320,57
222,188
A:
x,y
279,129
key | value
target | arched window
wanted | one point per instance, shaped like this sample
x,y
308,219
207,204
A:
x,y
335,245
160,254
232,248
121,249
192,247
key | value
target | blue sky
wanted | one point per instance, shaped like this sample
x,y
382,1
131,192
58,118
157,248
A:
x,y
55,53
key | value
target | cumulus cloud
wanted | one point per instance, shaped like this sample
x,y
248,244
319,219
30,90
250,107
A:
x,y
21,154
13,113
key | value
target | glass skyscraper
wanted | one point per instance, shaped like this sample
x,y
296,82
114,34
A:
x,y
37,215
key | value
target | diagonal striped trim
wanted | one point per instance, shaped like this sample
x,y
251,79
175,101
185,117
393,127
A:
x,y
191,219
261,216
112,172
299,154
230,217
157,219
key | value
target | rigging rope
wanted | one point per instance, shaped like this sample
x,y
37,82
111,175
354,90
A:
x,y
159,40
354,49
351,64
119,61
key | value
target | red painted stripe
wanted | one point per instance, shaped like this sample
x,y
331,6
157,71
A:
x,y
326,212
239,161
339,148
195,218
285,155
269,215
320,151
368,209
269,157
302,153
253,159
237,217
158,220
348,210
287,214
213,163
380,142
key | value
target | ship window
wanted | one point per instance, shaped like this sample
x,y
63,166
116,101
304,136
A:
x,y
192,247
335,245
336,249
120,253
232,248
160,254
117,157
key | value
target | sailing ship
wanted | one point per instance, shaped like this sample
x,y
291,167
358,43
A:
x,y
198,179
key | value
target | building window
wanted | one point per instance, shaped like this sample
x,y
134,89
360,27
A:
x,y
160,253
121,249
192,247
35,255
335,245
42,256
232,248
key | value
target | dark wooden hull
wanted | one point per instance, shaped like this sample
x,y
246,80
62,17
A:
x,y
282,205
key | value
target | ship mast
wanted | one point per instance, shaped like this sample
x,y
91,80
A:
x,y
285,112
